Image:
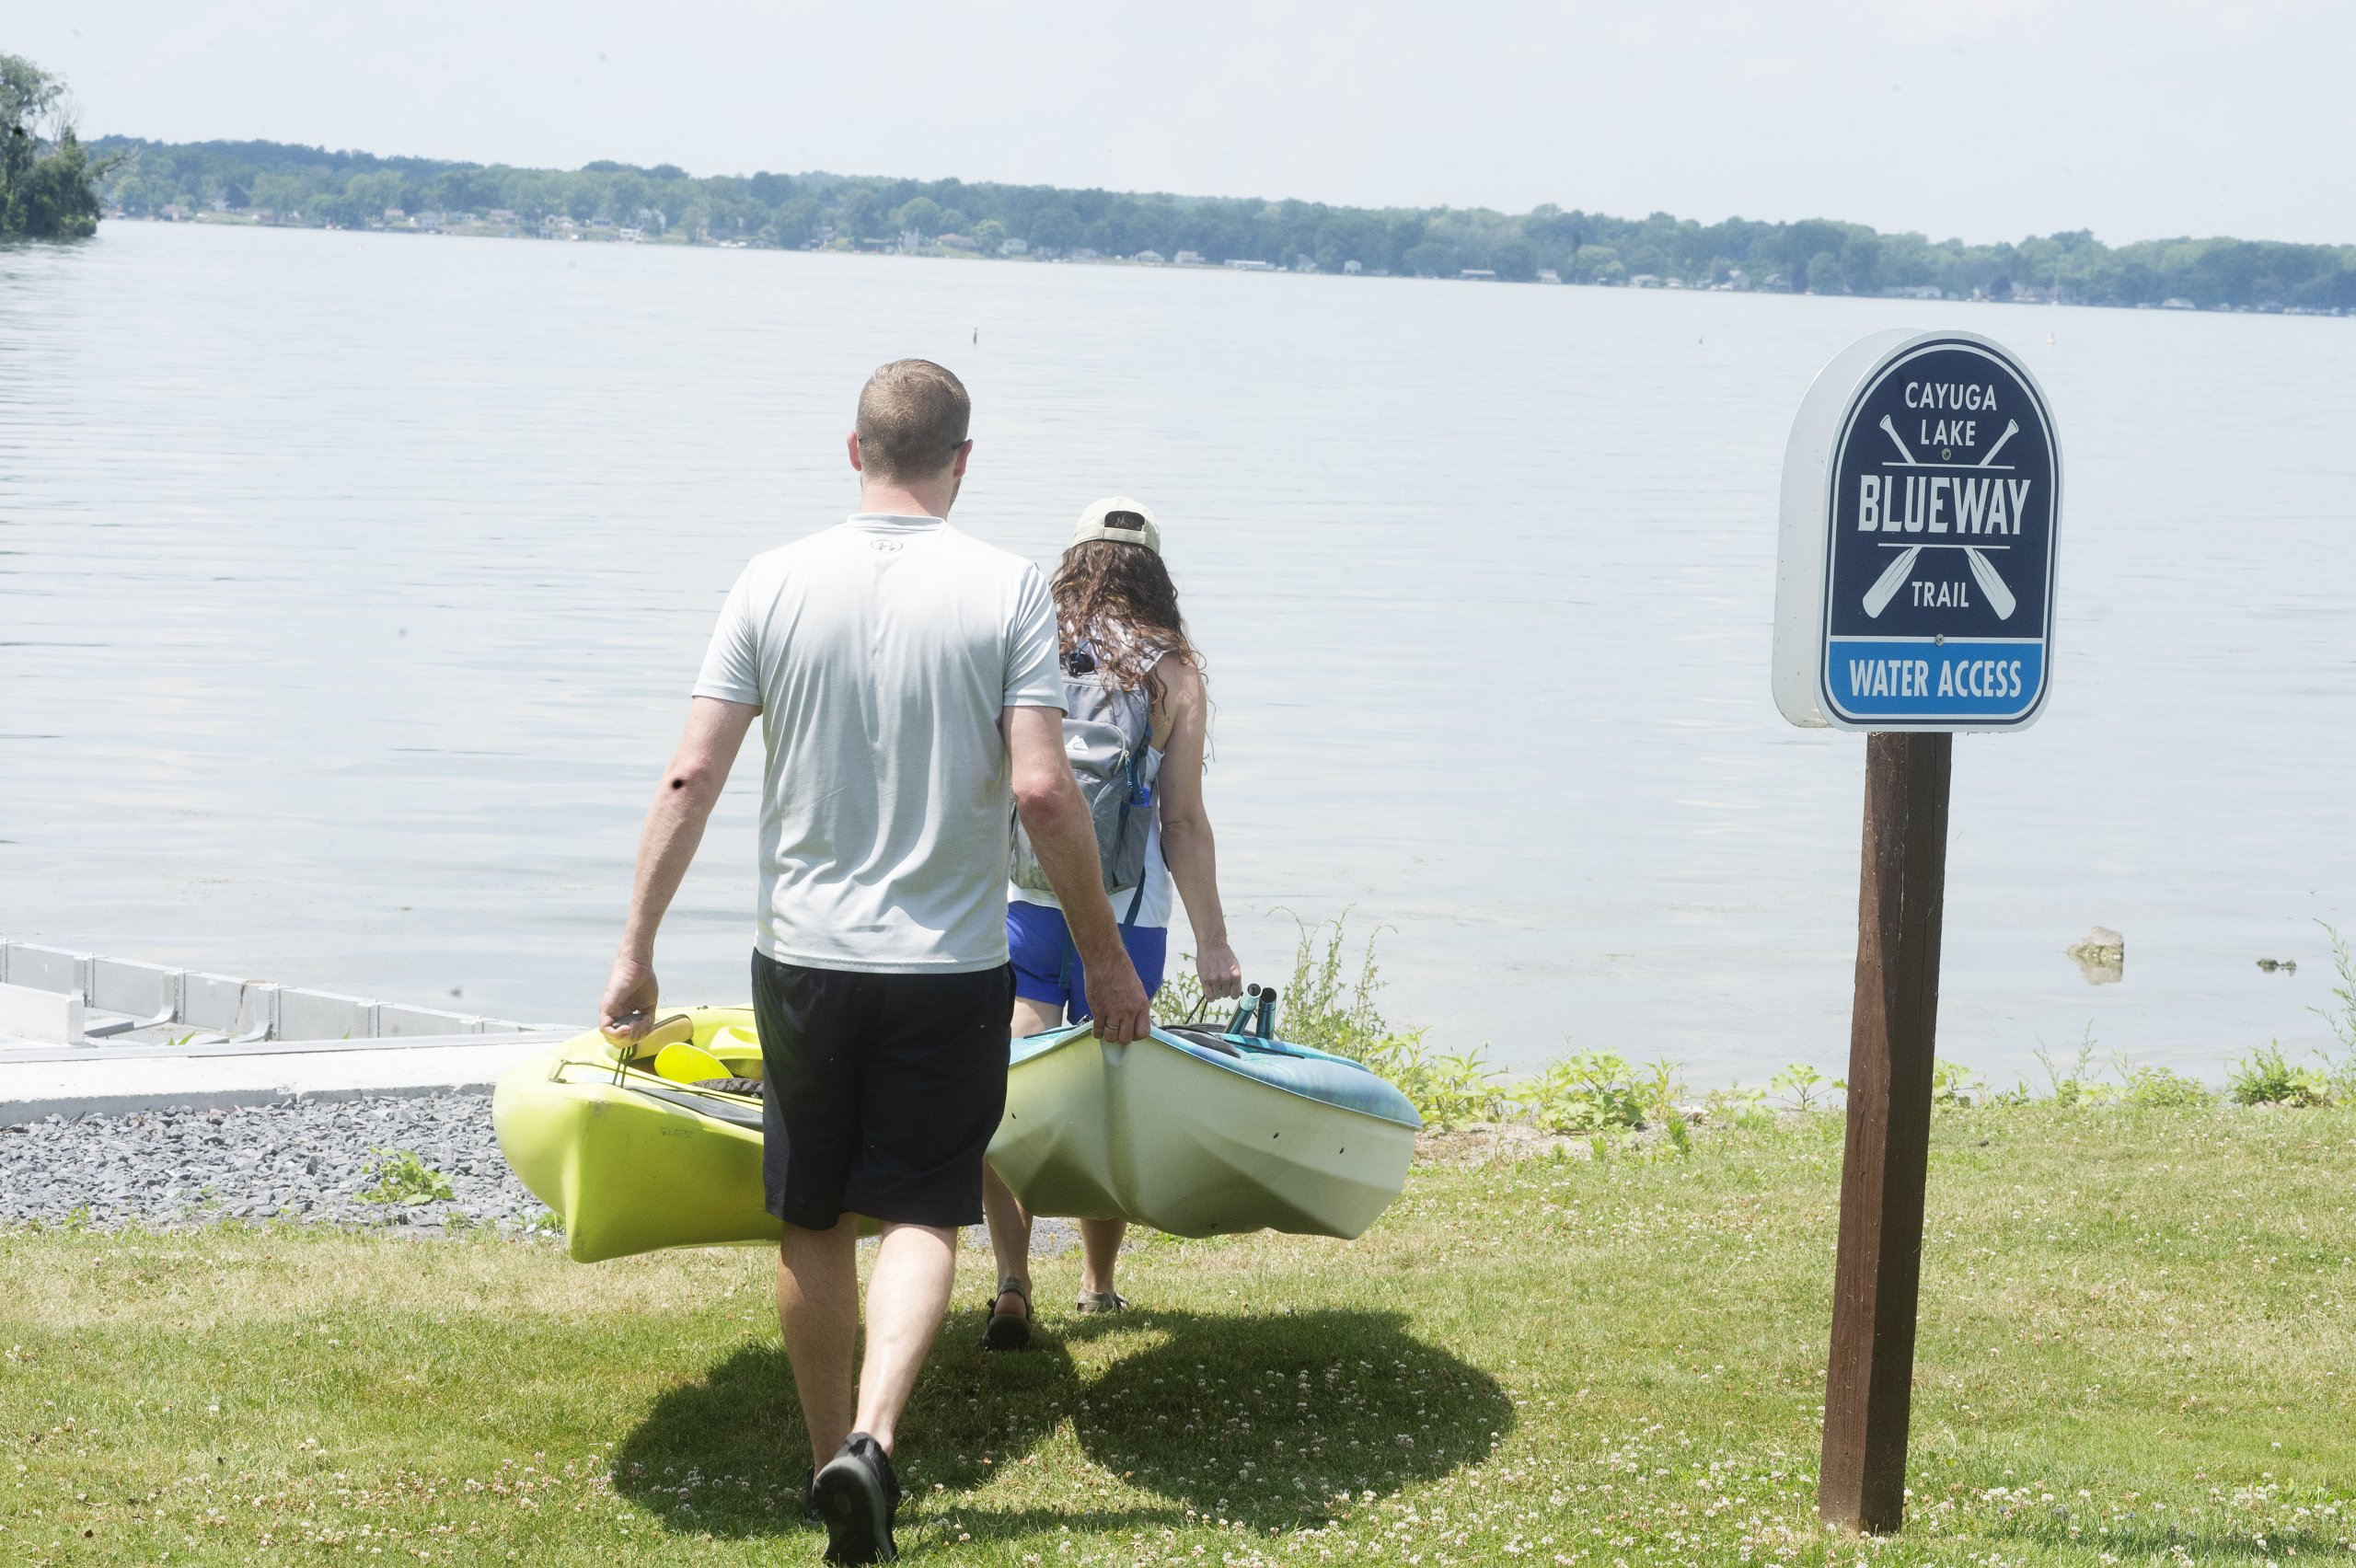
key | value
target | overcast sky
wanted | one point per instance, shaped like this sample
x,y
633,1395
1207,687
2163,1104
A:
x,y
1986,118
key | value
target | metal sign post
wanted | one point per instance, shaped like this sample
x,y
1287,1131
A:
x,y
1914,598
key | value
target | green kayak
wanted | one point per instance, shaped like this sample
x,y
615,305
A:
x,y
1201,1132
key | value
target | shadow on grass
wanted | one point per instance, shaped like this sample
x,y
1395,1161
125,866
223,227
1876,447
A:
x,y
728,1452
1263,1421
725,1452
1270,1420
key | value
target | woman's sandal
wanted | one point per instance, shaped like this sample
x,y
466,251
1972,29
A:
x,y
1006,1330
1092,1302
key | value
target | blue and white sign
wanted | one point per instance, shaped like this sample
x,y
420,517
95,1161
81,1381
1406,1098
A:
x,y
1914,580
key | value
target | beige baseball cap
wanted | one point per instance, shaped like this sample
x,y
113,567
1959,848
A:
x,y
1121,520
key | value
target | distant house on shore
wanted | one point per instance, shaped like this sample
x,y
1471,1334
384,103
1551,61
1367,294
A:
x,y
1304,263
1151,258
1478,274
1548,275
1015,247
1190,258
499,215
2178,305
1644,281
958,242
1738,281
1910,291
630,235
1241,265
1351,268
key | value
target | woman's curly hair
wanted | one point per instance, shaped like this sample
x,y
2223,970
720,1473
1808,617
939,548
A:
x,y
1118,601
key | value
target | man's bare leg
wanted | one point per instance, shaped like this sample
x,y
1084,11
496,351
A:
x,y
1100,1241
907,1295
817,1310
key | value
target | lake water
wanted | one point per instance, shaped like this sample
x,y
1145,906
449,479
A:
x,y
350,587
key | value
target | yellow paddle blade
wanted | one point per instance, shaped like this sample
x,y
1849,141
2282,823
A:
x,y
682,1063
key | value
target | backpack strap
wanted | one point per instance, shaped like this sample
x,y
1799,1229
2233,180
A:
x,y
1131,784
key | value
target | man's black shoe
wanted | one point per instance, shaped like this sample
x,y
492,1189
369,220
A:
x,y
810,1514
857,1494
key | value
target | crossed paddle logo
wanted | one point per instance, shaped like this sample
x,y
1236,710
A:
x,y
1983,570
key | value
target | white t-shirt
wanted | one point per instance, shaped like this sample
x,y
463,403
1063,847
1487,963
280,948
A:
x,y
881,654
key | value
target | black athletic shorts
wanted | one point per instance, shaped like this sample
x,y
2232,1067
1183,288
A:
x,y
882,1091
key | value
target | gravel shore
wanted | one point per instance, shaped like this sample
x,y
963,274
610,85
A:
x,y
308,1161
305,1161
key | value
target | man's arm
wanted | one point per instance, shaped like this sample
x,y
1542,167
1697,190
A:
x,y
1064,837
682,804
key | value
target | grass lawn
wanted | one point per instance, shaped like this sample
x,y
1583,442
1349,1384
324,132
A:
x,y
2136,1347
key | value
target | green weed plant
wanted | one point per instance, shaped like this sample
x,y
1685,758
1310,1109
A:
x,y
402,1177
2268,1077
1797,1084
2077,1085
2340,1017
1952,1083
1590,1091
2147,1088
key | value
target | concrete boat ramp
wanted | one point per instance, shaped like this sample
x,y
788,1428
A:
x,y
81,1033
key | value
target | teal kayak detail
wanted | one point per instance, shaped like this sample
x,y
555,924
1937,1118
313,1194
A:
x,y
1296,1069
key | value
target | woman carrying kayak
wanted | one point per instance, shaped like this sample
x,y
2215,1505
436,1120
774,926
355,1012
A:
x,y
1135,714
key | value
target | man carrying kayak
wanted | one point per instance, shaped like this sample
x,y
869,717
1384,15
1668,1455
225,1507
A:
x,y
906,676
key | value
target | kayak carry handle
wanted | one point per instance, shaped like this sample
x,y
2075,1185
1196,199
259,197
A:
x,y
1268,1020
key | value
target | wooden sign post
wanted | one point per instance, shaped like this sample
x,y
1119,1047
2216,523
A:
x,y
1877,1274
1914,598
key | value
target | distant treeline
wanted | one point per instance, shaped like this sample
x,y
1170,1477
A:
x,y
314,187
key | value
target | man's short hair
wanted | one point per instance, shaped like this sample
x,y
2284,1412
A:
x,y
912,418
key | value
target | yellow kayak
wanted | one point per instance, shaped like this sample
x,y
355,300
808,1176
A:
x,y
663,1149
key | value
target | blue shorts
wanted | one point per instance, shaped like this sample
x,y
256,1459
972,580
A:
x,y
1047,966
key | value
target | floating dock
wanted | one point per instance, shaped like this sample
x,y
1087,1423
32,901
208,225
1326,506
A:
x,y
82,1033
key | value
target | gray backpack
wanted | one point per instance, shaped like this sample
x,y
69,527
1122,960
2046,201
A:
x,y
1106,732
